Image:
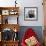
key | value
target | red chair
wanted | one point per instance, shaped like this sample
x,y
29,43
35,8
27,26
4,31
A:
x,y
29,33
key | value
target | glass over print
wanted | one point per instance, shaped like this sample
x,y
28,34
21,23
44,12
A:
x,y
30,13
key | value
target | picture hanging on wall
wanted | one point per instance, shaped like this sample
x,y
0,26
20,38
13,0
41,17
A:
x,y
30,13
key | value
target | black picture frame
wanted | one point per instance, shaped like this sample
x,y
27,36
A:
x,y
30,13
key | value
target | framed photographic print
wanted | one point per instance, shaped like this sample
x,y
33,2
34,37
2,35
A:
x,y
5,12
31,13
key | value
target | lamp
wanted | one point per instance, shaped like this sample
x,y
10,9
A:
x,y
15,3
15,30
15,35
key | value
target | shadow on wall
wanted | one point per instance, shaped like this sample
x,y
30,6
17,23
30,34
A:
x,y
37,29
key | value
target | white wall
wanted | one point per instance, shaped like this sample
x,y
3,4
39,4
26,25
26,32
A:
x,y
26,3
31,3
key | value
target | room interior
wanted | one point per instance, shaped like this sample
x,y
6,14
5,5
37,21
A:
x,y
17,16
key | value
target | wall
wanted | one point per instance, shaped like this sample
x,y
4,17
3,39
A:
x,y
26,3
37,29
31,3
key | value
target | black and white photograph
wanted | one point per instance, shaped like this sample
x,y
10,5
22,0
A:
x,y
30,13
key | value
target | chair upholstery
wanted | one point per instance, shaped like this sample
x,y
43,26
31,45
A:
x,y
29,33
